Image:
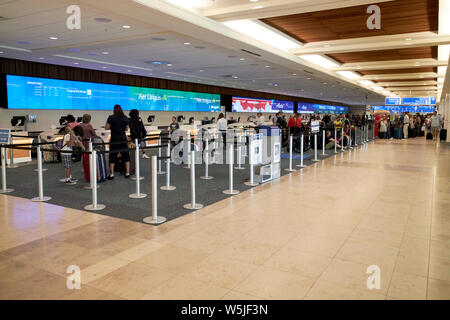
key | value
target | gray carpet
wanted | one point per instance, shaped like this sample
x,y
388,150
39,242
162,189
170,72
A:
x,y
114,194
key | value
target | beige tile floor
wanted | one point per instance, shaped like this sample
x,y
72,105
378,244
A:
x,y
309,235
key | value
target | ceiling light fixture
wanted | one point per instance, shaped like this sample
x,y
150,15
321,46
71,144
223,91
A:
x,y
105,52
187,43
320,61
53,38
126,27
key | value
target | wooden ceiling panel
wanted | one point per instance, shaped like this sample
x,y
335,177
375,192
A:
x,y
386,55
397,71
400,16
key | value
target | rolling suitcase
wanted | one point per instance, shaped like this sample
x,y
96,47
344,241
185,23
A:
x,y
443,135
429,136
102,167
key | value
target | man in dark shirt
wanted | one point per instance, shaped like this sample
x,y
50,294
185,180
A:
x,y
118,124
173,125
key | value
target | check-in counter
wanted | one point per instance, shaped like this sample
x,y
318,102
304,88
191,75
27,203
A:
x,y
19,155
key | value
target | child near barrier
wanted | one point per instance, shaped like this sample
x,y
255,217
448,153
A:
x,y
69,141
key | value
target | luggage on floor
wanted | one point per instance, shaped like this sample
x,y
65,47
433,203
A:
x,y
443,135
429,136
413,134
131,145
102,167
397,133
49,156
86,168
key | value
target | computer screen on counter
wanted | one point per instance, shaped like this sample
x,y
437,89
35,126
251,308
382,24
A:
x,y
54,94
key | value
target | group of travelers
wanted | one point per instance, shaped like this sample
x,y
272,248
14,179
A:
x,y
78,135
405,125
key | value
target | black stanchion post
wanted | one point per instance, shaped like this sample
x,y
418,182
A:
x,y
4,188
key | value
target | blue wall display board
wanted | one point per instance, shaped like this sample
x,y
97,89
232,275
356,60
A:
x,y
54,94
410,101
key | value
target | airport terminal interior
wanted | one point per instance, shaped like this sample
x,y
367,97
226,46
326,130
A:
x,y
225,150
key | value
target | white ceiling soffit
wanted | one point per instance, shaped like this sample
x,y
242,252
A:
x,y
422,88
186,22
376,43
276,8
393,64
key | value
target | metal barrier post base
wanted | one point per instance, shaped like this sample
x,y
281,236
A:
x,y
290,170
91,207
43,169
249,184
134,178
206,177
239,168
37,199
6,190
231,192
159,172
314,160
193,207
168,188
158,220
88,187
137,196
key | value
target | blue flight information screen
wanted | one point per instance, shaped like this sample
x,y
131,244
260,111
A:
x,y
410,101
53,94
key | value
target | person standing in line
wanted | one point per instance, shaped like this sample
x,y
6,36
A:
x,y
259,119
71,121
222,127
435,121
69,141
405,125
118,123
137,130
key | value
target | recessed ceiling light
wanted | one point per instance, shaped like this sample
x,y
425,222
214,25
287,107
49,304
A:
x,y
105,52
40,58
169,64
129,70
126,27
53,38
75,63
187,43
294,74
327,46
308,78
253,0
1,52
105,67
258,7
242,59
267,66
200,70
408,39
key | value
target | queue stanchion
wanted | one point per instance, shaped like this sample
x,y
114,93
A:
x,y
91,183
335,141
251,161
315,148
206,157
4,188
41,197
230,172
138,194
342,139
239,153
159,160
323,142
12,157
350,139
186,149
356,135
168,187
193,205
301,153
290,155
95,206
154,219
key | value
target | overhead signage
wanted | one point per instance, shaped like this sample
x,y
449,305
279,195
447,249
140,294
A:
x,y
315,126
410,101
323,108
256,149
399,109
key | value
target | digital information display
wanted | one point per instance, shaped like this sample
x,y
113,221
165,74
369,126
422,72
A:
x,y
53,94
323,108
261,105
410,101
399,109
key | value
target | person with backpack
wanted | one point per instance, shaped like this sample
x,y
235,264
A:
x,y
137,130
